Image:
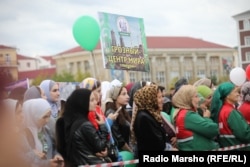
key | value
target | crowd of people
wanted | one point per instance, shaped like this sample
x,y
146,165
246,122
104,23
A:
x,y
102,122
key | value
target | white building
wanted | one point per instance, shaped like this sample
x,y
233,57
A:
x,y
26,63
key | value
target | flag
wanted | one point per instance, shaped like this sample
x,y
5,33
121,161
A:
x,y
20,83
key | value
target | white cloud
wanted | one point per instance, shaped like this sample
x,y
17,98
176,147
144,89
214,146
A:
x,y
45,27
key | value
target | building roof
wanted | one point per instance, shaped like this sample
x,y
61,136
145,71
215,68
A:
x,y
48,72
181,43
240,14
6,47
50,59
22,57
159,42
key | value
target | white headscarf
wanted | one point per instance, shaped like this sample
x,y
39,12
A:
x,y
34,110
105,87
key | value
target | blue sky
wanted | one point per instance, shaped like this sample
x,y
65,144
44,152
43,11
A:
x,y
45,27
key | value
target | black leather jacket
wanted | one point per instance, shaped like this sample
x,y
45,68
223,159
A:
x,y
149,133
85,142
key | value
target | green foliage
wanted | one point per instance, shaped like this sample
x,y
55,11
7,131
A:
x,y
214,79
172,82
81,76
224,78
64,77
192,80
36,81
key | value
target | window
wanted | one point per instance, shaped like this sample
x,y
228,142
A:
x,y
28,64
79,66
160,77
132,77
146,76
174,74
247,41
188,61
7,59
214,60
247,24
86,65
201,73
188,74
70,67
200,61
174,61
213,72
160,61
247,56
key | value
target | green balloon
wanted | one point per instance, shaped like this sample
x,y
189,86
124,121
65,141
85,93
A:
x,y
86,32
126,156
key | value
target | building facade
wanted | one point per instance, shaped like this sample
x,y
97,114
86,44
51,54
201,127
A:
x,y
170,57
243,33
26,63
8,62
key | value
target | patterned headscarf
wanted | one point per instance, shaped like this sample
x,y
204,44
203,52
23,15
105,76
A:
x,y
89,83
182,99
218,98
245,91
146,99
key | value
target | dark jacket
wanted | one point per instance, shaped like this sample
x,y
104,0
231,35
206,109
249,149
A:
x,y
149,133
85,142
120,132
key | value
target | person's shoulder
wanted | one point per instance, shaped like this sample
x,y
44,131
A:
x,y
143,114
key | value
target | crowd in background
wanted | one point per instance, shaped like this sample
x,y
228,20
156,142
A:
x,y
102,122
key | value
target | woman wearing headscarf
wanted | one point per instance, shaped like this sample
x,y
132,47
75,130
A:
x,y
194,132
39,146
94,85
204,81
51,90
34,92
205,94
233,128
244,108
147,129
117,98
80,139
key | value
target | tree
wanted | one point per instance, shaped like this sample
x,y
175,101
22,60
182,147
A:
x,y
81,76
36,81
64,77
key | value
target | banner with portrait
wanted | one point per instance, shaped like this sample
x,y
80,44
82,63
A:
x,y
123,42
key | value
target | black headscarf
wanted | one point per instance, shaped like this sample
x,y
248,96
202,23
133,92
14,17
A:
x,y
179,83
75,113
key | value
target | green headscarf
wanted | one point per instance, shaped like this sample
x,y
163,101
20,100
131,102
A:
x,y
219,96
